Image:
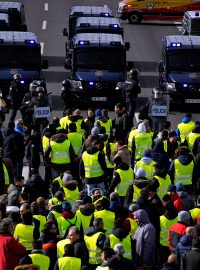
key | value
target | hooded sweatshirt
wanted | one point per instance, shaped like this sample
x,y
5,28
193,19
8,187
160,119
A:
x,y
145,237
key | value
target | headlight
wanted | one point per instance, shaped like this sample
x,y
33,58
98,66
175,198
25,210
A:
x,y
76,85
170,87
118,86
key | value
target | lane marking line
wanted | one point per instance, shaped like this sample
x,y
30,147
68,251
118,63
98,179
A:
x,y
46,6
42,47
44,25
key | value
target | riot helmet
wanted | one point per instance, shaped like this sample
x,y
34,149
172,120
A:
x,y
17,77
40,89
133,73
32,87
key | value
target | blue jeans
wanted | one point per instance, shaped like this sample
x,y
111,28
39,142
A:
x,y
90,187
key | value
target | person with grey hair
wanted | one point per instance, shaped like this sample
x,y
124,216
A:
x,y
94,240
80,249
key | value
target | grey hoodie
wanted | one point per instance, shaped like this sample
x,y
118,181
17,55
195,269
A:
x,y
145,237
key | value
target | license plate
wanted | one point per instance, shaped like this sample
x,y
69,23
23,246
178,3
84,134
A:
x,y
194,100
99,98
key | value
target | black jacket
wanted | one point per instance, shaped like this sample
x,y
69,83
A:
x,y
130,90
121,125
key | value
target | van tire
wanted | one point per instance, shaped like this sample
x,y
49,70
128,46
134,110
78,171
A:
x,y
135,18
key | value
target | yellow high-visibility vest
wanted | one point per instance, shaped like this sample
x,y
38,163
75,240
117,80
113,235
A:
x,y
71,195
143,141
94,251
126,176
185,129
61,247
60,152
164,183
126,242
91,165
164,226
183,173
131,136
76,140
148,168
25,235
69,263
40,259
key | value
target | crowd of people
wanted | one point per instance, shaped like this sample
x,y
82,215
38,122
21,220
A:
x,y
115,196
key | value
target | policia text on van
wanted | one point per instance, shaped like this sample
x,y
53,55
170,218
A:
x,y
136,10
179,68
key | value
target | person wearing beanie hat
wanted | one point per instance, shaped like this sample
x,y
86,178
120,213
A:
x,y
77,118
182,168
146,162
171,190
98,113
77,112
54,205
187,200
177,230
171,144
185,127
67,219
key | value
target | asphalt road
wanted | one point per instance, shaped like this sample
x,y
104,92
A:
x,y
47,18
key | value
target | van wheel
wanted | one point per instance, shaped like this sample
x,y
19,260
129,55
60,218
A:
x,y
135,18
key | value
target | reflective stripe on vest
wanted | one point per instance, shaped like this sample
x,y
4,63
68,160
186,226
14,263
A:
x,y
76,140
60,152
91,165
126,177
85,220
191,137
61,247
126,242
148,168
164,226
71,195
185,129
164,183
143,141
183,173
107,216
69,263
41,260
131,136
112,149
94,251
25,235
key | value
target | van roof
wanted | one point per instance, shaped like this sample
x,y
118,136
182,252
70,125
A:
x,y
5,6
90,11
194,14
98,38
97,21
185,41
17,37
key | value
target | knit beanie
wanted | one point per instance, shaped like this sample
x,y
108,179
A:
x,y
184,216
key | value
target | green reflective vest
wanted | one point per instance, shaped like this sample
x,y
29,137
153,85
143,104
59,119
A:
x,y
6,175
131,136
148,168
41,260
183,173
112,149
126,242
134,226
91,165
107,125
94,251
55,213
60,152
42,220
164,183
164,226
71,195
143,141
195,213
65,223
64,122
25,235
78,127
76,140
69,263
108,218
191,137
61,247
45,143
85,220
185,129
59,181
126,176
136,193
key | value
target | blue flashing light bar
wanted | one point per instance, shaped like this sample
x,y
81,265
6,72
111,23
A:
x,y
185,85
114,25
83,42
91,83
30,41
22,82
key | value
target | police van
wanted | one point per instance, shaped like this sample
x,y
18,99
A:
x,y
98,67
179,68
20,52
16,15
191,23
137,10
4,22
85,11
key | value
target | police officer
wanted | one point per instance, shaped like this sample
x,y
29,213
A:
x,y
130,90
17,92
66,94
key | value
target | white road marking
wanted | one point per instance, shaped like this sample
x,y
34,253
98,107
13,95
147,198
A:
x,y
180,28
46,6
42,47
44,25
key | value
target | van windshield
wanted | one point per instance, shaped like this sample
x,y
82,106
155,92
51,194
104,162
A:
x,y
104,58
19,57
195,27
185,60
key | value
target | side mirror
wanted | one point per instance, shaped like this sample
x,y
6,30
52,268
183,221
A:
x,y
64,32
45,64
24,27
127,46
68,63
